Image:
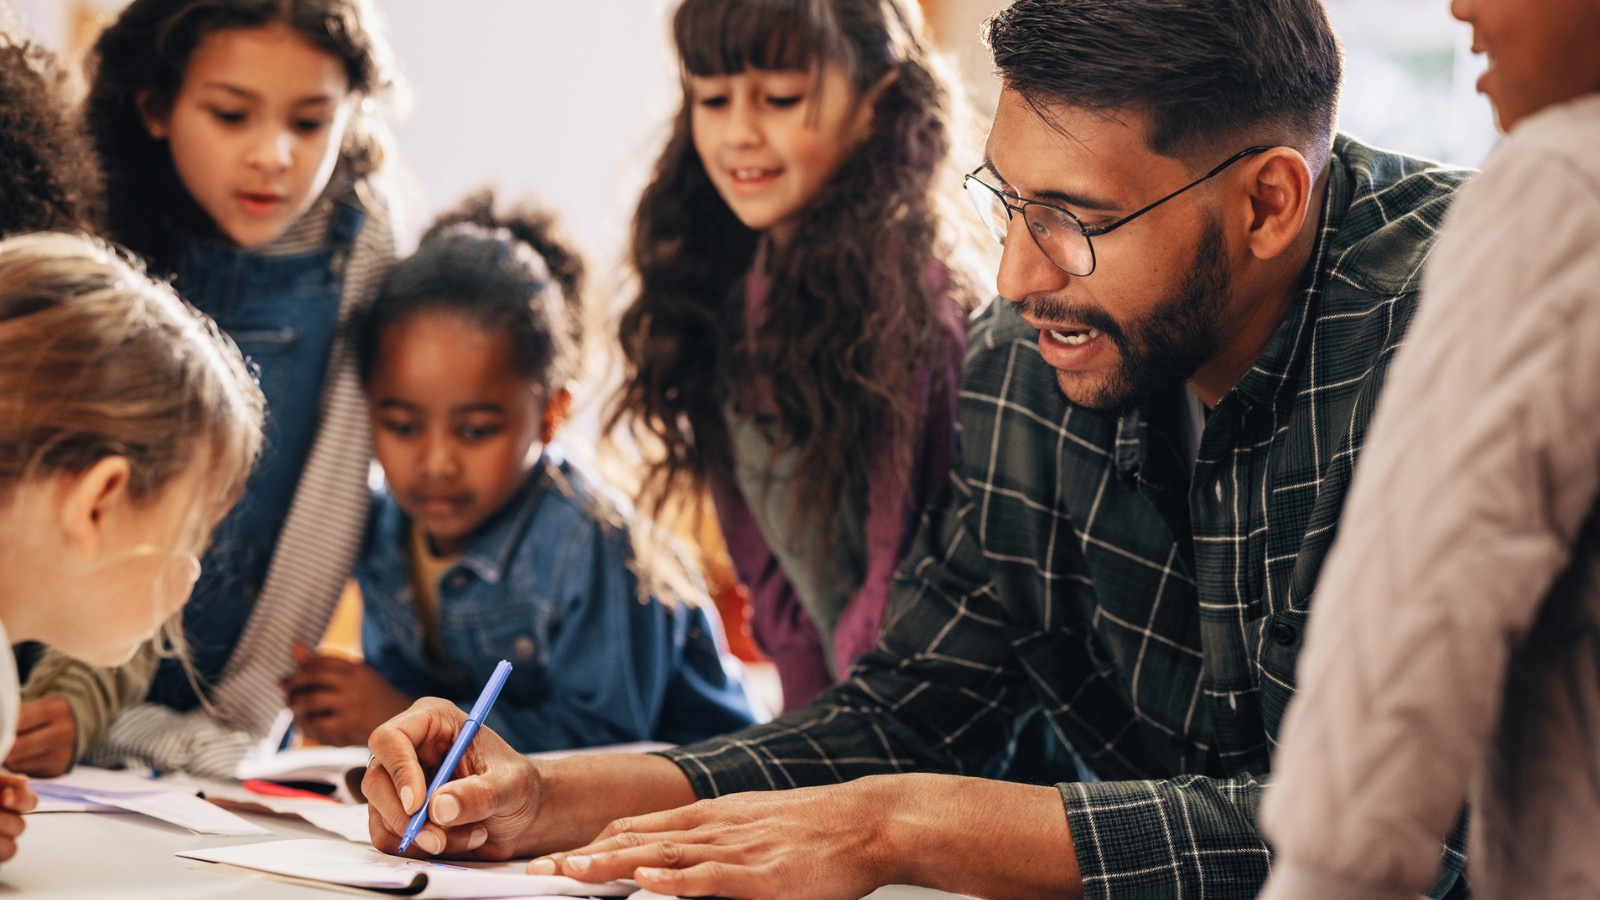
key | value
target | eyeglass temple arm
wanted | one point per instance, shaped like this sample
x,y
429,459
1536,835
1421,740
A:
x,y
1249,151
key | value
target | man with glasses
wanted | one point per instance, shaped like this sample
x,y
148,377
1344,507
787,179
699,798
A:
x,y
1204,287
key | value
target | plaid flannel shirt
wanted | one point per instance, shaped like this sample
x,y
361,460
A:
x,y
1073,565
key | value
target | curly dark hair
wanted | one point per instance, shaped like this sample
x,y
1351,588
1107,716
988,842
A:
x,y
49,180
495,269
148,49
853,305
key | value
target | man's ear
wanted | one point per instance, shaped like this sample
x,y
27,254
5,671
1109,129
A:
x,y
556,411
88,498
1279,187
155,121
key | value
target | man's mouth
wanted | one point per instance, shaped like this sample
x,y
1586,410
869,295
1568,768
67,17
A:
x,y
1074,337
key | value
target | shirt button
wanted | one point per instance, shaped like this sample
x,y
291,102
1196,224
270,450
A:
x,y
523,647
1219,491
1282,633
458,581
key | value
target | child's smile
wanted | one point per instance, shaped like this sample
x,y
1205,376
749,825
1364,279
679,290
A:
x,y
770,140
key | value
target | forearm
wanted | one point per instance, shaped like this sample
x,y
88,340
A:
x,y
96,694
977,837
583,794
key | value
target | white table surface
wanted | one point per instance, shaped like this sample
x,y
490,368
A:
x,y
88,856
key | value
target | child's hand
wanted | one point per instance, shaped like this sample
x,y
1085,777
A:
x,y
47,733
16,798
339,702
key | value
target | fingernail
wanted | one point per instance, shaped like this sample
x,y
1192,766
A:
x,y
406,796
476,839
542,867
430,842
578,863
648,873
445,808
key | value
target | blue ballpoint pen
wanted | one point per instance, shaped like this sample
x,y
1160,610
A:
x,y
453,758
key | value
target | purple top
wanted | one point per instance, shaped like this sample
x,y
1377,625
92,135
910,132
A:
x,y
783,629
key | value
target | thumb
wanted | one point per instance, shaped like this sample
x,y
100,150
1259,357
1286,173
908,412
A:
x,y
465,801
302,654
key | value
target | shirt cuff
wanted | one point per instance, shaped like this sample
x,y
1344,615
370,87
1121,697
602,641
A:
x,y
1179,837
1293,880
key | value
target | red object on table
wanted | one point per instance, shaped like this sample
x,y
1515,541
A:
x,y
273,789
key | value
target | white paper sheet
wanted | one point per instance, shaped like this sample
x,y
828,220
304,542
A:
x,y
347,864
87,789
321,764
347,820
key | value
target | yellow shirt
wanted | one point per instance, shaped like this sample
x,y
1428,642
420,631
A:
x,y
424,571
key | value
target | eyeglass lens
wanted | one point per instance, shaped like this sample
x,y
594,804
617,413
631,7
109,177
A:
x,y
1057,234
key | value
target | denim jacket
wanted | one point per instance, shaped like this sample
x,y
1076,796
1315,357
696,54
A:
x,y
547,586
282,311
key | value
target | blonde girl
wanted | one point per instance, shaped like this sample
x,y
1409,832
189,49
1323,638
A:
x,y
128,425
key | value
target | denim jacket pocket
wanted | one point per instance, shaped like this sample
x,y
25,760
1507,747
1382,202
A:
x,y
271,354
517,632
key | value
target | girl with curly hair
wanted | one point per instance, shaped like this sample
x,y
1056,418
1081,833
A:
x,y
796,339
240,140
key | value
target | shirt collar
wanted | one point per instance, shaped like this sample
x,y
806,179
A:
x,y
492,545
491,548
1273,380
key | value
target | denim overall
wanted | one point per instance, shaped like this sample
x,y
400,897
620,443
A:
x,y
283,312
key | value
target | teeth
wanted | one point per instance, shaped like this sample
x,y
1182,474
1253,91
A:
x,y
749,174
1075,338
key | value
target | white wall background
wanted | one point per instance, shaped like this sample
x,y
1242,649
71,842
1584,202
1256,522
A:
x,y
567,99
564,100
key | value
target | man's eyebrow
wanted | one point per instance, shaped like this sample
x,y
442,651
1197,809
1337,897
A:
x,y
1056,197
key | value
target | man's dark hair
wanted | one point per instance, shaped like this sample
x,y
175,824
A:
x,y
1207,73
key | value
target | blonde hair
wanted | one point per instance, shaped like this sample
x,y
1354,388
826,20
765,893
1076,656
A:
x,y
98,360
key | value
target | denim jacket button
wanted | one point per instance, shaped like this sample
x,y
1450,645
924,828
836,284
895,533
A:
x,y
523,647
458,581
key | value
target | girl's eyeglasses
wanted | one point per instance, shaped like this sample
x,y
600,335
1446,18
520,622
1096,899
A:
x,y
1059,235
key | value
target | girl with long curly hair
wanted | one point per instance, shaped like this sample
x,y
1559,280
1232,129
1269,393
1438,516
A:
x,y
796,339
240,139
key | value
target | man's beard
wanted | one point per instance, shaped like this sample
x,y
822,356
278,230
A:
x,y
1158,351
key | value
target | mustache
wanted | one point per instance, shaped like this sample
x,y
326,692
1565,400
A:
x,y
1052,309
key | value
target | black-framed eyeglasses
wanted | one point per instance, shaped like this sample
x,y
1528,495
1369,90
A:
x,y
1061,237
